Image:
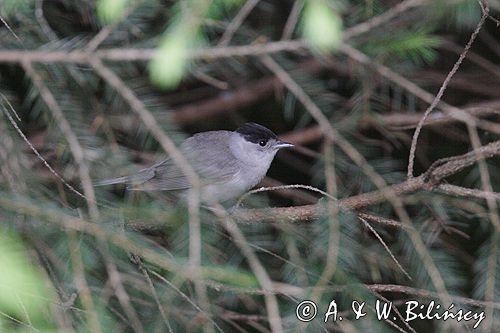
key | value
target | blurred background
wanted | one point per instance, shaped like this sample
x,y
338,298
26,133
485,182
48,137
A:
x,y
96,89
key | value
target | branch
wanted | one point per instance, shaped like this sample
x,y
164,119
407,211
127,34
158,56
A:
x,y
237,21
382,18
74,144
359,159
397,121
415,90
427,294
301,292
229,100
292,20
168,145
467,192
440,93
428,181
128,54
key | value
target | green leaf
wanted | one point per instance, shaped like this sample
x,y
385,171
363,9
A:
x,y
321,26
23,289
171,61
111,10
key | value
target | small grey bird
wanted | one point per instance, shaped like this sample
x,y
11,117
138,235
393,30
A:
x,y
228,163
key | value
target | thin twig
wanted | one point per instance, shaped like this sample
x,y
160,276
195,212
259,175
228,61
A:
x,y
415,90
428,294
127,54
169,147
300,292
485,176
195,249
437,99
163,314
81,282
366,224
33,149
332,253
355,156
74,144
467,192
101,36
489,292
381,220
74,223
473,57
382,18
148,119
494,218
236,22
397,313
117,285
292,19
297,196
189,300
39,14
210,80
260,272
10,30
282,187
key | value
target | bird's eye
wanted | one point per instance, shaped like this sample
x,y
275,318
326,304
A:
x,y
262,143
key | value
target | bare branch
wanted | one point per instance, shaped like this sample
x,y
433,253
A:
x,y
125,54
357,158
258,269
237,21
428,181
467,192
415,90
382,18
120,290
81,283
291,22
74,144
440,93
169,146
427,294
332,253
107,30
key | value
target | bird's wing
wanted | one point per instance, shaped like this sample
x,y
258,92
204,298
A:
x,y
208,153
131,181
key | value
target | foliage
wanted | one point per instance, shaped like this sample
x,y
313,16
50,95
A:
x,y
23,289
321,26
130,268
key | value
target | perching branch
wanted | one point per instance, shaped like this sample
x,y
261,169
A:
x,y
429,181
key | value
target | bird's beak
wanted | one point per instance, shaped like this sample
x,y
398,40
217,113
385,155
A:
x,y
282,144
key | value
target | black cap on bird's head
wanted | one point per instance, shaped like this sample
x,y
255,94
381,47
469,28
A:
x,y
260,135
254,132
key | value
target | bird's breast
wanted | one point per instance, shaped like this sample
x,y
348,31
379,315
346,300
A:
x,y
242,181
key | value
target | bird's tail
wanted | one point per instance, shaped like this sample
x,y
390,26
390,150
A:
x,y
112,181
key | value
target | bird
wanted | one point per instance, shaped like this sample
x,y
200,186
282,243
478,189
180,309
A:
x,y
229,163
